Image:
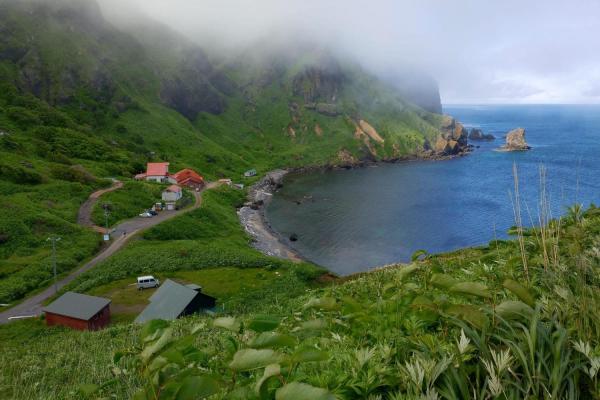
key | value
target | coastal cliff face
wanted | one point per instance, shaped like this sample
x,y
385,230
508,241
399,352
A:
x,y
149,94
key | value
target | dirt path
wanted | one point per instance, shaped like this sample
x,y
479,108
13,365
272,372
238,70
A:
x,y
84,217
121,235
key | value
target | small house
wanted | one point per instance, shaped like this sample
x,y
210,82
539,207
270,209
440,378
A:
x,y
190,178
170,196
157,172
78,311
173,300
250,173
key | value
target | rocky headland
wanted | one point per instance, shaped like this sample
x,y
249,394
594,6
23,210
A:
x,y
452,141
515,141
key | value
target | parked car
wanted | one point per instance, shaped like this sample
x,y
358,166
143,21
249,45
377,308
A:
x,y
146,214
152,212
146,282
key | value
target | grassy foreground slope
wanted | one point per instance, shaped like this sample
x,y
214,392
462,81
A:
x,y
475,323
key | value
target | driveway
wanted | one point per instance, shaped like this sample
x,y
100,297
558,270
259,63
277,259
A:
x,y
32,306
84,217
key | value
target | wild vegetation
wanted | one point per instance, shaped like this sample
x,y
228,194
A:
x,y
468,324
208,237
127,202
82,100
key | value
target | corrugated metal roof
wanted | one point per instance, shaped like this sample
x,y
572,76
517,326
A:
x,y
77,305
157,169
168,302
195,287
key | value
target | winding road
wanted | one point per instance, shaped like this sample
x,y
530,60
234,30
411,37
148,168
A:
x,y
121,234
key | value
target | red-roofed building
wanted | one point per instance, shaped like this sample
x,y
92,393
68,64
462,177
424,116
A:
x,y
157,172
190,178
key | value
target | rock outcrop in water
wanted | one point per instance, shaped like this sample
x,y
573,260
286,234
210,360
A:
x,y
452,139
515,141
477,134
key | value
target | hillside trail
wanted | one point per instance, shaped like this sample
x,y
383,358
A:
x,y
84,216
122,233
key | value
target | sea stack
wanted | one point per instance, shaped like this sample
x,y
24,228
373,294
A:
x,y
515,141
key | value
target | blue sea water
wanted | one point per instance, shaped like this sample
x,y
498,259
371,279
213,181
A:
x,y
351,221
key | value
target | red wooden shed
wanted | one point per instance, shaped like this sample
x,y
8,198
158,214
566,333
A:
x,y
79,311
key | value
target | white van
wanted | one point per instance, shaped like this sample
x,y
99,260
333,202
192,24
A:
x,y
145,282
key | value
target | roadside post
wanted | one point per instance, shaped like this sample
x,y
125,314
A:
x,y
54,239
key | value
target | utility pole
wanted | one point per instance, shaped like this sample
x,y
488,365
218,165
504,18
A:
x,y
54,239
106,208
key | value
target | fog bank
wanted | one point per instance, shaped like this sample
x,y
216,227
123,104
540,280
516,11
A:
x,y
479,52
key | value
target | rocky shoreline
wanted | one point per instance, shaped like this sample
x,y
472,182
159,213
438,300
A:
x,y
252,217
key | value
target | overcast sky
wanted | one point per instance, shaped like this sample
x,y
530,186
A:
x,y
480,51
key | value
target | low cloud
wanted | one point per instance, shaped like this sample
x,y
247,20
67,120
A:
x,y
479,51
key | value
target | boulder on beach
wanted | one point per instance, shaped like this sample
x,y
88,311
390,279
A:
x,y
515,141
477,134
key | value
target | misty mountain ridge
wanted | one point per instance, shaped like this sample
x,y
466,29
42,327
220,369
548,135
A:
x,y
278,104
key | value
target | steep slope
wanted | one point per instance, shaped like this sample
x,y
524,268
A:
x,y
81,100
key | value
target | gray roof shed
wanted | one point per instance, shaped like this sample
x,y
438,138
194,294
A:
x,y
77,305
168,302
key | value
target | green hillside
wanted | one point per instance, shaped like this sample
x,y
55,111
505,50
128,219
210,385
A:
x,y
81,100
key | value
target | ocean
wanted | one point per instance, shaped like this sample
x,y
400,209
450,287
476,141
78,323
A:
x,y
354,220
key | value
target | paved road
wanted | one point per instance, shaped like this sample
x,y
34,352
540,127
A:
x,y
121,234
84,217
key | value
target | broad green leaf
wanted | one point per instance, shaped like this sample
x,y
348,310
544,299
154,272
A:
x,y
443,281
405,272
169,390
471,288
520,291
151,330
511,309
249,359
167,372
272,340
197,387
157,363
195,356
302,391
264,323
468,314
270,371
425,309
157,346
229,323
173,355
314,324
323,303
422,302
309,354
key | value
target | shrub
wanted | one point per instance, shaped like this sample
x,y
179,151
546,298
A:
x,y
75,173
20,175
